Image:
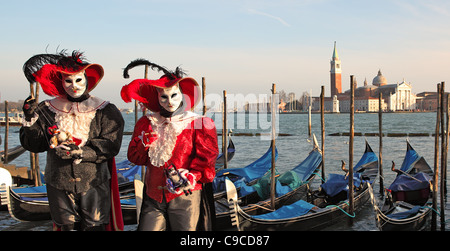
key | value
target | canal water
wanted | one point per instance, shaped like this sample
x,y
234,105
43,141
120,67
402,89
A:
x,y
294,145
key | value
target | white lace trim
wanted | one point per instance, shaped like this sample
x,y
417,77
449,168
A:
x,y
75,117
31,122
167,131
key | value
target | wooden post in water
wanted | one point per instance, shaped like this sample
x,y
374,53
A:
x,y
224,131
380,151
350,147
309,122
272,178
443,157
436,159
37,169
6,132
144,110
322,124
446,143
32,155
32,90
136,116
203,95
135,112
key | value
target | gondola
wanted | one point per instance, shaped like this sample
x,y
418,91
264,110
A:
x,y
243,176
290,186
407,204
320,209
31,203
231,149
13,153
35,207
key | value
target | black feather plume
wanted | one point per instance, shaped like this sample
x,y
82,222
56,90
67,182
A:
x,y
140,61
36,62
62,59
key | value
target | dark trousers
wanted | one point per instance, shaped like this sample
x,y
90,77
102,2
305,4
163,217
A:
x,y
179,214
84,211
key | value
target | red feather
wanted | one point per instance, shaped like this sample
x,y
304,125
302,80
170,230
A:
x,y
132,91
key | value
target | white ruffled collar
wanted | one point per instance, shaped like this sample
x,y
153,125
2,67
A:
x,y
75,117
89,105
167,131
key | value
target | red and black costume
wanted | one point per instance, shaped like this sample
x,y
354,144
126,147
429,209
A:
x,y
184,140
82,195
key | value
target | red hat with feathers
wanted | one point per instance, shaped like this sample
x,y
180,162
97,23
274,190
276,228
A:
x,y
144,90
48,69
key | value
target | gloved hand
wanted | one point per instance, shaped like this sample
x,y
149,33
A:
x,y
29,108
178,181
69,151
147,138
190,181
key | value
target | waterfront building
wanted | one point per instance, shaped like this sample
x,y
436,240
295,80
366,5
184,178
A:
x,y
395,97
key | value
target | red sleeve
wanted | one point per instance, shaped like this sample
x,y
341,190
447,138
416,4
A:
x,y
137,152
206,150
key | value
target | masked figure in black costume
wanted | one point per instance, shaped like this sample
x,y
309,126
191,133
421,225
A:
x,y
80,173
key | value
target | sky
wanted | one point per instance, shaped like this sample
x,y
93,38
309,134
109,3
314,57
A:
x,y
241,46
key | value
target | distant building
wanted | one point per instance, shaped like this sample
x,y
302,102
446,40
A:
x,y
395,97
335,73
427,101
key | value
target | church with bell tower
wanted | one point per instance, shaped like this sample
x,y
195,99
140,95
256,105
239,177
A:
x,y
396,97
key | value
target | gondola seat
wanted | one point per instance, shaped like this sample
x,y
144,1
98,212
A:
x,y
405,214
296,209
412,190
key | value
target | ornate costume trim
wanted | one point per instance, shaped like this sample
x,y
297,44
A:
x,y
31,122
167,131
75,117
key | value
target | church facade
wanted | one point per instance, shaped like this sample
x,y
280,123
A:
x,y
395,97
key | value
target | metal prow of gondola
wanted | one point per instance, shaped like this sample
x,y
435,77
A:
x,y
232,199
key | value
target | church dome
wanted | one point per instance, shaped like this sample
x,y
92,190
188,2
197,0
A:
x,y
379,80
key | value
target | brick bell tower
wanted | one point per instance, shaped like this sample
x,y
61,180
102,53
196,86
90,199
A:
x,y
335,73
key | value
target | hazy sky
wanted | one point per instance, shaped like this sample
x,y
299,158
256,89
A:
x,y
239,46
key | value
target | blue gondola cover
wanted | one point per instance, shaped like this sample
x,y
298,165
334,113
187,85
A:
x,y
296,209
406,183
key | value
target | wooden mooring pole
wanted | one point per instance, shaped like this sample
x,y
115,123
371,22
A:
x,y
322,124
273,170
6,132
309,121
203,95
380,151
350,147
443,157
436,160
224,131
446,143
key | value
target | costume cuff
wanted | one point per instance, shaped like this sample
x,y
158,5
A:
x,y
33,120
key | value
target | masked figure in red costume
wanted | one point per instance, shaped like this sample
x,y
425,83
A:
x,y
179,149
80,172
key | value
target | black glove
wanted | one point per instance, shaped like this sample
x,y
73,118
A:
x,y
29,108
70,151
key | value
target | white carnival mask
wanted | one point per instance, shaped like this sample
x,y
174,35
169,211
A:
x,y
75,84
170,98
